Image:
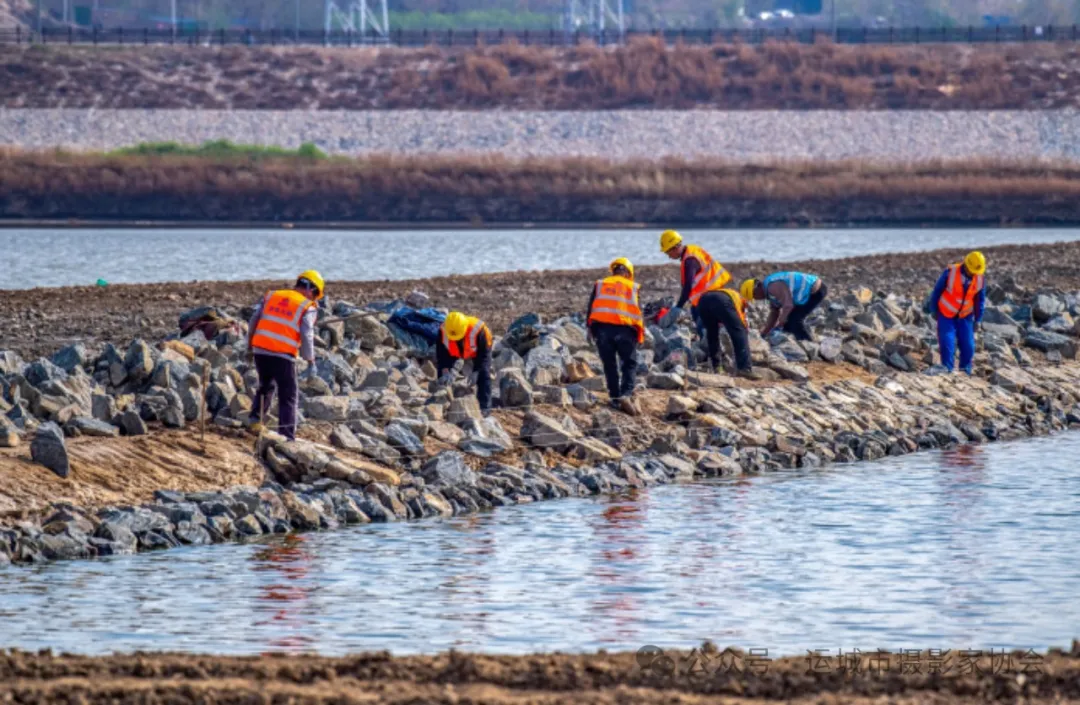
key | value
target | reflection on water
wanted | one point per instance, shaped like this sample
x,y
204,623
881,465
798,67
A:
x,y
973,547
60,257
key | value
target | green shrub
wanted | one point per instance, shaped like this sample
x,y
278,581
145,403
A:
x,y
222,149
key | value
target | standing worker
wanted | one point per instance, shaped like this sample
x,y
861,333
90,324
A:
x,y
466,338
703,280
959,298
283,328
792,295
616,324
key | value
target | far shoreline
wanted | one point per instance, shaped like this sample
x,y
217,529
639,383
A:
x,y
80,224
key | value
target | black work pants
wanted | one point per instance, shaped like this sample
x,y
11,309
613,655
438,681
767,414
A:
x,y
617,345
796,321
482,370
718,309
277,372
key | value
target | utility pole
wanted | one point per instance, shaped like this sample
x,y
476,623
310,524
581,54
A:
x,y
832,8
296,30
172,6
39,19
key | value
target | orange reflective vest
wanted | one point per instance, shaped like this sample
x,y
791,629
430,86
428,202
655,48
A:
x,y
616,302
740,304
955,302
465,349
711,275
278,329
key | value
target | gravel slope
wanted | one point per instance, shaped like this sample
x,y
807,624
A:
x,y
735,135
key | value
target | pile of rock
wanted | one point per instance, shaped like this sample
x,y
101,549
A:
x,y
399,448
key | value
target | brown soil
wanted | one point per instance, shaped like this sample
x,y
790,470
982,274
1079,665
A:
x,y
40,321
643,74
128,470
473,190
454,678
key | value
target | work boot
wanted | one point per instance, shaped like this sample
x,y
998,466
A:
x,y
627,406
748,374
254,426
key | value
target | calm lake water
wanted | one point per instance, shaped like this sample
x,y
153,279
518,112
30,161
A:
x,y
974,547
61,257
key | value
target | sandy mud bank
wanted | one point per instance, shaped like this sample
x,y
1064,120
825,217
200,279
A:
x,y
720,676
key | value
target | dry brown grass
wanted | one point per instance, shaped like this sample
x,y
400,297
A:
x,y
494,189
643,74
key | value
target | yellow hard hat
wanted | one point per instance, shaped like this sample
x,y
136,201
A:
x,y
315,279
669,239
455,325
746,289
975,263
623,262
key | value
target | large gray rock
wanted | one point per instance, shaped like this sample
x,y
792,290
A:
x,y
331,409
132,424
1045,307
40,371
448,469
545,432
1046,341
139,361
485,438
369,330
831,349
515,392
87,426
464,409
10,363
103,407
665,380
71,357
1061,323
505,358
546,363
48,448
9,435
572,335
402,439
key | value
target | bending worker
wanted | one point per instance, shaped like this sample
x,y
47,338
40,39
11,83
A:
x,y
283,328
959,298
616,324
464,337
703,281
792,295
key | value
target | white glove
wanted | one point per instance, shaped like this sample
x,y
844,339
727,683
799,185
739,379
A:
x,y
670,317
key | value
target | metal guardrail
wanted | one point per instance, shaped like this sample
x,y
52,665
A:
x,y
553,37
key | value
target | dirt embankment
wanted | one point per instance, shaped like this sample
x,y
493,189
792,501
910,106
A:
x,y
645,73
476,190
129,470
41,321
625,678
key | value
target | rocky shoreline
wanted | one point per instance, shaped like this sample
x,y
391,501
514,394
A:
x,y
380,443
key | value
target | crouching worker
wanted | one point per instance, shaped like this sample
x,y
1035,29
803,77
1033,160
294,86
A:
x,y
792,295
703,280
281,330
958,299
616,324
466,338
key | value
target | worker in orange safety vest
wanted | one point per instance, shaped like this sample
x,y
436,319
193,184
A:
x,y
616,325
282,330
